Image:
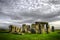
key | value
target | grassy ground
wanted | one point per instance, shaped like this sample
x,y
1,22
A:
x,y
9,36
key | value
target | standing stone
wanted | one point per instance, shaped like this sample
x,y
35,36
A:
x,y
21,31
33,28
37,28
49,29
17,30
42,28
28,29
52,28
24,28
12,28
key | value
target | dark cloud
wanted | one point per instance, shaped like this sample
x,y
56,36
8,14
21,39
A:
x,y
42,16
29,11
55,1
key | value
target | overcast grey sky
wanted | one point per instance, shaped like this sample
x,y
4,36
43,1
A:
x,y
17,12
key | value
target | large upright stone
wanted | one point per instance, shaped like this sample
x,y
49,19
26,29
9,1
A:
x,y
28,29
24,27
37,28
49,29
33,28
42,28
21,30
17,30
52,28
12,28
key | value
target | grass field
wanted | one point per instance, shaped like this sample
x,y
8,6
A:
x,y
9,36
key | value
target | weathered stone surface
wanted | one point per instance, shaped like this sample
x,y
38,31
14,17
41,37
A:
x,y
17,30
28,29
49,29
33,31
38,27
41,22
23,28
33,27
12,29
42,28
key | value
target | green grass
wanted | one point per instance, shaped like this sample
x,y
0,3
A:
x,y
9,36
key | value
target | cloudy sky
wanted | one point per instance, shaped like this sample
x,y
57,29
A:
x,y
18,12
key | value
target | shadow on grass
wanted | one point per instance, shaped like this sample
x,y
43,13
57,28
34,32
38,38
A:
x,y
58,32
4,32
